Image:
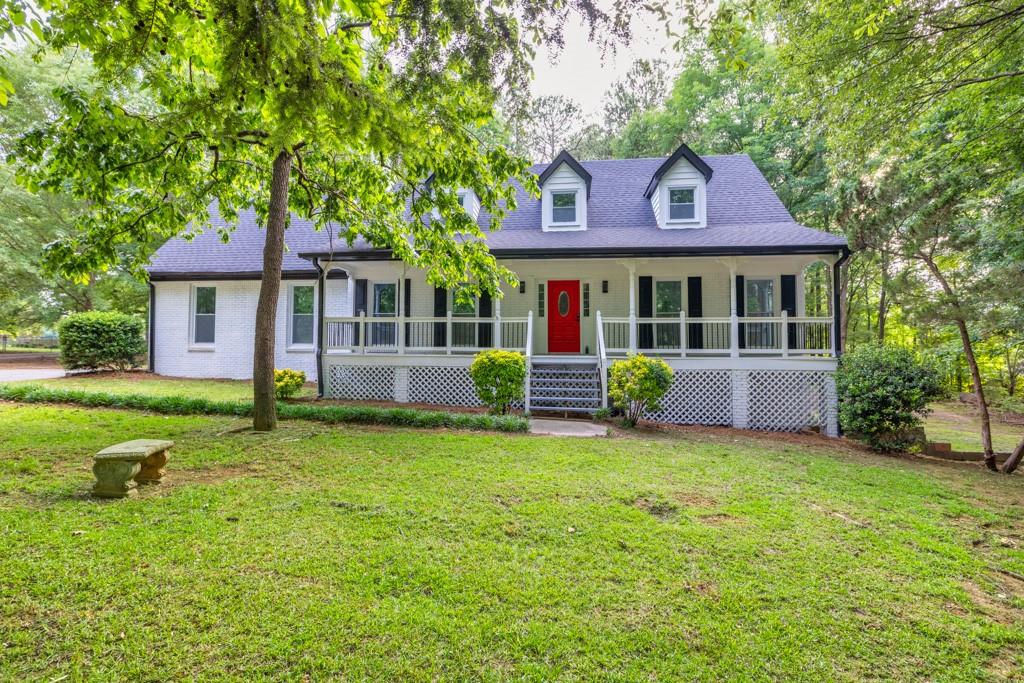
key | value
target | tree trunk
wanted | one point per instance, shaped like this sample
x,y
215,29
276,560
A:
x,y
264,413
1014,460
883,303
972,364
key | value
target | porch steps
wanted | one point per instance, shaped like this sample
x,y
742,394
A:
x,y
565,387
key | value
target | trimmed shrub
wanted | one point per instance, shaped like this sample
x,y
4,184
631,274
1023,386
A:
x,y
101,341
288,382
637,385
883,393
180,405
499,378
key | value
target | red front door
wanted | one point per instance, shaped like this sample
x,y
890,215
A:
x,y
563,316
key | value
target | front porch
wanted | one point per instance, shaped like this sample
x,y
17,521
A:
x,y
736,331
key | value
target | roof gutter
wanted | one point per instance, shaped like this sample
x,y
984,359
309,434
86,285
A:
x,y
616,252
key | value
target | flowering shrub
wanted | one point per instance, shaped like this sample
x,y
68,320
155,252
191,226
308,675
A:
x,y
288,382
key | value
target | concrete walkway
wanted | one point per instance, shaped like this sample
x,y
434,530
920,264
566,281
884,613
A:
x,y
567,428
19,374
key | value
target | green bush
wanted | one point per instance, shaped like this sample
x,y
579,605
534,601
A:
x,y
288,382
499,378
637,386
883,393
181,405
101,341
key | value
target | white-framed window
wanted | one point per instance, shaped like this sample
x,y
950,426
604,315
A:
x,y
463,197
204,315
385,299
668,298
682,203
563,207
759,297
301,304
668,302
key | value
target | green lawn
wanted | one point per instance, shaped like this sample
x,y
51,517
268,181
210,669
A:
x,y
958,424
357,553
156,385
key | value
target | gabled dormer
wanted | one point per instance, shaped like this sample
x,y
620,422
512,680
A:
x,y
470,203
565,189
679,191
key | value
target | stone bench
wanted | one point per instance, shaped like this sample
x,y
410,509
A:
x,y
120,467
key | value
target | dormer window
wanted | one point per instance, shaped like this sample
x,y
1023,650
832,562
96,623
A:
x,y
565,190
563,207
463,196
678,191
682,204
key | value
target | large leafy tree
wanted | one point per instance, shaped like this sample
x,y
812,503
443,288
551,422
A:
x,y
338,111
31,297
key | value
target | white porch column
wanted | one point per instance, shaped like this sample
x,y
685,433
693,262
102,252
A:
x,y
734,322
631,266
497,321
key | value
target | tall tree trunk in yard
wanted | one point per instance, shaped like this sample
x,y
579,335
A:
x,y
972,364
264,413
883,303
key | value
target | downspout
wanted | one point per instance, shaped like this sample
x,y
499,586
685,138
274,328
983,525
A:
x,y
321,286
152,326
836,304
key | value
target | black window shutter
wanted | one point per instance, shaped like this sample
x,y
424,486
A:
x,y
789,304
645,291
359,305
741,308
407,307
483,337
694,309
440,311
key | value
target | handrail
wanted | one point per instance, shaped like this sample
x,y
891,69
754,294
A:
x,y
529,363
602,361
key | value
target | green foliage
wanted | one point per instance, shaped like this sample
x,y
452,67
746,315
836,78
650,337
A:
x,y
288,382
101,341
499,377
602,414
637,386
883,393
331,414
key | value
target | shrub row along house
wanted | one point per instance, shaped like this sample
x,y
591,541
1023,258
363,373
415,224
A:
x,y
692,259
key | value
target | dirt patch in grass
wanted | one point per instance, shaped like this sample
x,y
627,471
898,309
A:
x,y
996,607
656,506
719,518
208,475
693,499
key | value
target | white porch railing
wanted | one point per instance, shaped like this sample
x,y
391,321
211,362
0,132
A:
x,y
602,361
400,334
732,336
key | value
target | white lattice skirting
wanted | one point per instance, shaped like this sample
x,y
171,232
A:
x,y
697,397
450,386
356,382
788,401
773,400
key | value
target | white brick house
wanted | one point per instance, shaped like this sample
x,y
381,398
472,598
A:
x,y
688,258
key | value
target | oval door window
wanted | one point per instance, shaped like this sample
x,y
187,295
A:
x,y
563,303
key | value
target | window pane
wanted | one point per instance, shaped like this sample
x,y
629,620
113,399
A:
x,y
540,299
668,297
384,299
561,200
302,328
302,299
463,307
462,199
204,328
586,299
563,207
563,303
681,195
759,297
206,300
681,212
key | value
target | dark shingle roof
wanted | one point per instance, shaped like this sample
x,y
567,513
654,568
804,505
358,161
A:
x,y
744,215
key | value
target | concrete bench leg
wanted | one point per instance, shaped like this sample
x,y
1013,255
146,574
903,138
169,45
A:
x,y
152,470
114,478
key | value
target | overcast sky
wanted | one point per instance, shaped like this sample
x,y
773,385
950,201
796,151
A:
x,y
579,72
